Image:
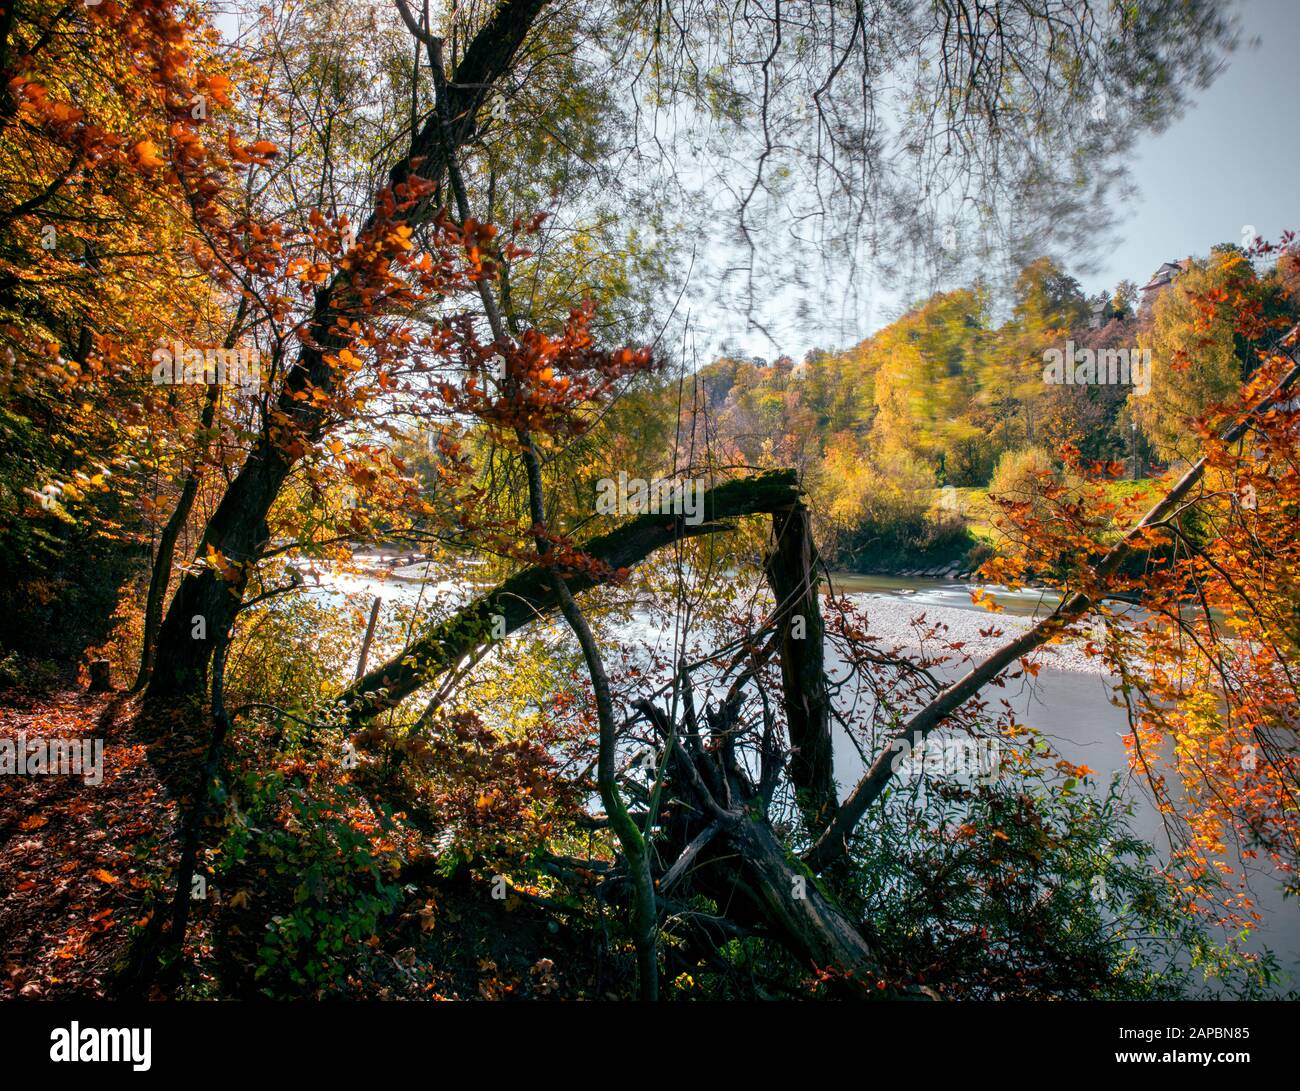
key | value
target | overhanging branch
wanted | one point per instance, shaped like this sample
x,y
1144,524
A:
x,y
529,594
833,842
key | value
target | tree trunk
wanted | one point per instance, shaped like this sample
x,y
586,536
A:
x,y
368,639
101,676
529,594
204,606
806,919
161,574
791,566
751,876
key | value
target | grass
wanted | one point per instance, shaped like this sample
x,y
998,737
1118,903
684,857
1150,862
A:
x,y
977,510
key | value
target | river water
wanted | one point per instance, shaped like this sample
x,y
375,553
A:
x,y
1069,701
1071,704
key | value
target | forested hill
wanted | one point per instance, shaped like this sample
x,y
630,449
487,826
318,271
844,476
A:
x,y
948,395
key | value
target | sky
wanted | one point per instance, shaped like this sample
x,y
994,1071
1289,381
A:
x,y
1229,167
1230,163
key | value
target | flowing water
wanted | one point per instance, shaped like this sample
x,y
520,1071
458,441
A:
x,y
1072,707
1074,711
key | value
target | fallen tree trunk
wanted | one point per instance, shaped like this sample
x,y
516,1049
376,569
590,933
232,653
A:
x,y
728,853
806,919
529,595
733,857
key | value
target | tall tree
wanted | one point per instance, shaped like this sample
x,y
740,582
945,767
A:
x,y
205,604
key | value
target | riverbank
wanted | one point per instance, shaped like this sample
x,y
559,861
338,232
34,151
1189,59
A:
x,y
894,604
893,612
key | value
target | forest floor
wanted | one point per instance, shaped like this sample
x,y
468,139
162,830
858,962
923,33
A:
x,y
75,856
80,863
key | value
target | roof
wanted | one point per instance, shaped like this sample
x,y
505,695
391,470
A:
x,y
1165,274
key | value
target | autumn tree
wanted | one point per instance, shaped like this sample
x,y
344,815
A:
x,y
1201,348
96,265
352,229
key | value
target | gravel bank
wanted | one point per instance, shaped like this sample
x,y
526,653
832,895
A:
x,y
892,619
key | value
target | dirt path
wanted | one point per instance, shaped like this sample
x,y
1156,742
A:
x,y
75,857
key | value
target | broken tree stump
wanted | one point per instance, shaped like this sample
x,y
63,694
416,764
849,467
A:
x,y
101,680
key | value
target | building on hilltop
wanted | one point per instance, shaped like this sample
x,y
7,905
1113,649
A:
x,y
1164,276
1100,313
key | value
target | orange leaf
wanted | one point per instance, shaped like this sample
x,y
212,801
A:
x,y
146,153
219,88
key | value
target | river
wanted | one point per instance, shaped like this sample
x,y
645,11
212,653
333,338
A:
x,y
1069,701
1071,704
